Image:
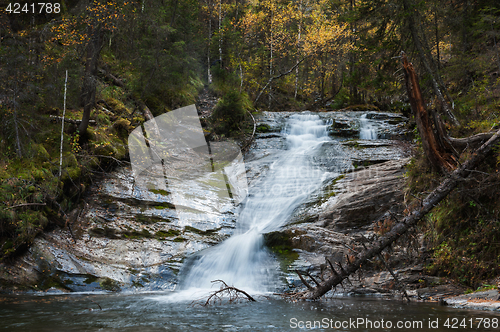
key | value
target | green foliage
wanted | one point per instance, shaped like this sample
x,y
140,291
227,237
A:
x,y
230,112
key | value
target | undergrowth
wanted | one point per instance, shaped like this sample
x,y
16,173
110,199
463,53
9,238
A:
x,y
463,231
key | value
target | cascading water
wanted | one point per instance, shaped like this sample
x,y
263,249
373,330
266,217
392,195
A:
x,y
241,260
366,129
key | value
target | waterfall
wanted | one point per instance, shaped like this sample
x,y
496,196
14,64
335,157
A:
x,y
242,261
366,129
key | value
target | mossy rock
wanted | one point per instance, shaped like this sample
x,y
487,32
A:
x,y
144,219
179,239
122,124
160,192
263,128
340,125
90,279
162,205
41,153
117,106
105,232
110,285
169,233
281,245
69,160
106,149
91,135
53,281
72,173
136,235
199,231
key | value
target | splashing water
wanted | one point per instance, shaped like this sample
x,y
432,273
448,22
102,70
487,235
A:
x,y
241,260
366,129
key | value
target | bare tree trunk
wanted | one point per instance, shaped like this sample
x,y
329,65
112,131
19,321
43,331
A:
x,y
495,46
402,227
271,57
174,13
62,124
209,73
220,32
298,45
439,158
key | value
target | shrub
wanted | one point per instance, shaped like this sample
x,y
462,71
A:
x,y
230,112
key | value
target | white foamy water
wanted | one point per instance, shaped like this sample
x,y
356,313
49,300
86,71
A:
x,y
366,129
242,261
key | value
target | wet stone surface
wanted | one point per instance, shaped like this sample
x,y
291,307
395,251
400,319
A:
x,y
127,236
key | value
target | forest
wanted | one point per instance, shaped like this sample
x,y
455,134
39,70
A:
x,y
103,68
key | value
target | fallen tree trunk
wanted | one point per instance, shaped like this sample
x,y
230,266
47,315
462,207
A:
x,y
60,118
112,78
402,227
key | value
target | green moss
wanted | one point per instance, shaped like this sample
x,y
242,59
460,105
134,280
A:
x,y
179,239
110,285
106,232
133,234
160,192
90,279
263,128
144,219
137,284
199,231
40,152
122,126
281,245
72,173
53,281
169,233
163,205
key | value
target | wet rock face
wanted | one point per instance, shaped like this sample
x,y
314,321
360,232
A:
x,y
366,196
124,237
128,237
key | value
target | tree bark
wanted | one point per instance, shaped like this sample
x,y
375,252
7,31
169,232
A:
x,y
402,227
436,153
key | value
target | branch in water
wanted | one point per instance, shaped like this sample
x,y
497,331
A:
x,y
231,292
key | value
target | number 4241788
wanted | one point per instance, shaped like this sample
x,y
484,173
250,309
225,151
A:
x,y
34,8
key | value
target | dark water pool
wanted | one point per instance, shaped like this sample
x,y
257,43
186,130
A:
x,y
154,312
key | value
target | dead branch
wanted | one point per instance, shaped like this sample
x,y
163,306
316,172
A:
x,y
115,80
60,118
303,280
312,278
232,293
278,76
438,194
253,132
25,204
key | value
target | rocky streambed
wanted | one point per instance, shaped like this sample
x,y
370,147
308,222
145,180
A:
x,y
126,236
